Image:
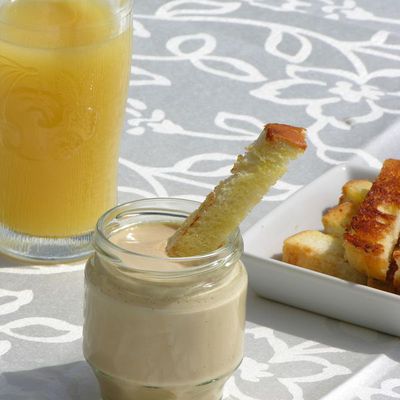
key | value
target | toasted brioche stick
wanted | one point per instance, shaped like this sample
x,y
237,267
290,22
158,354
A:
x,y
374,230
337,218
253,173
355,191
320,252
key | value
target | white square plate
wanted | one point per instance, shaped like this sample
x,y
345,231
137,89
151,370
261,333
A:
x,y
307,289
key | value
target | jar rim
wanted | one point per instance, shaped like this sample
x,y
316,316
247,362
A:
x,y
231,249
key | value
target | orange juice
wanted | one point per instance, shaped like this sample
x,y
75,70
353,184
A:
x,y
64,67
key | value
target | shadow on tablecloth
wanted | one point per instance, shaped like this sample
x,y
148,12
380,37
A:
x,y
62,382
291,321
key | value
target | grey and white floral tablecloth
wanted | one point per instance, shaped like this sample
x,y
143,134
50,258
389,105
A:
x,y
206,75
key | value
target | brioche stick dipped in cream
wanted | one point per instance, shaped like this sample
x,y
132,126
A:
x,y
252,175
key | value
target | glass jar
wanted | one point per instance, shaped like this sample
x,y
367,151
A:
x,y
64,71
154,332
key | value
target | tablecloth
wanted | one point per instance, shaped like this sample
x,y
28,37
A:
x,y
206,75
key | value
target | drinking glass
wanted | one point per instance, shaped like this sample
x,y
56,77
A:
x,y
64,68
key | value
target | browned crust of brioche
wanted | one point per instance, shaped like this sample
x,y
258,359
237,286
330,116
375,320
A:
x,y
292,135
370,224
393,273
392,270
396,258
376,284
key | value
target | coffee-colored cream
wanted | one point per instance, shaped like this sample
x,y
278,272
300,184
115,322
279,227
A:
x,y
150,338
149,239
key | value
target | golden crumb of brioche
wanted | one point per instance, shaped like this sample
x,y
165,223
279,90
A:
x,y
355,191
320,252
336,219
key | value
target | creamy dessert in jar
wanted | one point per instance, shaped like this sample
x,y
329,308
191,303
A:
x,y
156,327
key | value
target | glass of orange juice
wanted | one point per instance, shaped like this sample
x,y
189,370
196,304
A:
x,y
64,68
